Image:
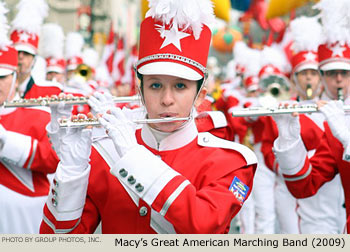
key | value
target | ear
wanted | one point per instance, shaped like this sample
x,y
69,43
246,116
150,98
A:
x,y
201,96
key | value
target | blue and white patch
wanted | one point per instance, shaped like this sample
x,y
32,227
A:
x,y
239,189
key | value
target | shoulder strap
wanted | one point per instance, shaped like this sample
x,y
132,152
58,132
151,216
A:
x,y
209,140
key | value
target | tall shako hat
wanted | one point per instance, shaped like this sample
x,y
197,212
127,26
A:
x,y
51,45
334,52
90,58
252,67
73,50
27,25
8,54
273,62
307,36
239,57
175,38
274,68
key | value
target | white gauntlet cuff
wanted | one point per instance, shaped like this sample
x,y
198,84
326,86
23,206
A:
x,y
67,195
143,172
292,159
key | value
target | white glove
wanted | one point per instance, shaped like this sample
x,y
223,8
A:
x,y
120,129
335,116
75,148
57,111
101,103
288,130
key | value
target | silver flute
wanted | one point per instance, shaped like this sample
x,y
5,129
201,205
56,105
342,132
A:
x,y
262,111
84,122
70,100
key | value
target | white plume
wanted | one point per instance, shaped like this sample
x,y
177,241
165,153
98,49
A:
x,y
253,62
275,56
183,13
52,41
4,27
335,17
306,33
30,16
74,45
90,57
239,52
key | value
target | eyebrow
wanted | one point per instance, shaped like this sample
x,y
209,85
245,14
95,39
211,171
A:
x,y
158,79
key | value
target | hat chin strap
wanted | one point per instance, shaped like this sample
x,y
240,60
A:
x,y
328,93
13,84
303,91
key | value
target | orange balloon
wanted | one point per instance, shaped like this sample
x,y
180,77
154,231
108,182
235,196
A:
x,y
225,39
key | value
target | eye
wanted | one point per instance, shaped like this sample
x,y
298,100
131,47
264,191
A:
x,y
156,85
180,85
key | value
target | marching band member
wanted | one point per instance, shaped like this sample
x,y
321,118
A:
x,y
163,177
52,44
314,214
26,156
306,176
25,36
73,52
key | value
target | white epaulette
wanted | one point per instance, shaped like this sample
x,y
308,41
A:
x,y
209,140
218,118
47,83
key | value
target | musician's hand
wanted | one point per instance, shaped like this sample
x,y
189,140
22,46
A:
x,y
58,111
101,103
288,129
335,116
75,147
120,129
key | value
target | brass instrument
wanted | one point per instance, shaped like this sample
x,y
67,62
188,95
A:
x,y
83,71
275,86
72,100
308,92
77,123
263,111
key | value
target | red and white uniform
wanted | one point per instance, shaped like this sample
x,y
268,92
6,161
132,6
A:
x,y
323,213
30,89
307,178
260,218
185,181
26,159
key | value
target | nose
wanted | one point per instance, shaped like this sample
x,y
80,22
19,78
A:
x,y
339,76
167,98
20,54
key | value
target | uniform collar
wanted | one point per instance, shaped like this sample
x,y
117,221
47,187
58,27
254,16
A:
x,y
174,141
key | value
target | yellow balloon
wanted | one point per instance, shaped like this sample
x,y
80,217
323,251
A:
x,y
221,9
278,8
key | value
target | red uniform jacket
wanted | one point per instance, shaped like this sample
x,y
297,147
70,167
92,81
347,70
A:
x,y
200,197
